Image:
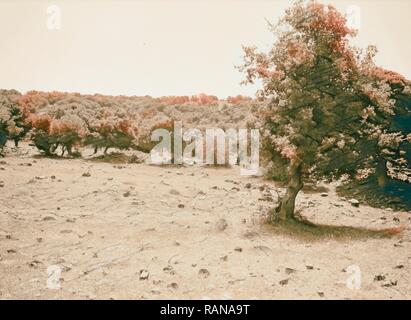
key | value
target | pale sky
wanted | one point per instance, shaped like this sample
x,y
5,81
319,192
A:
x,y
172,47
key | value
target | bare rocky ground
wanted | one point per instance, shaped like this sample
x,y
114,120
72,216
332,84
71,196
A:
x,y
134,231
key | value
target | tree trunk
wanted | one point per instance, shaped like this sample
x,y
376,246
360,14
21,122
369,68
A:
x,y
381,173
295,184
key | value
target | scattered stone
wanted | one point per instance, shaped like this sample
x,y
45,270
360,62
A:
x,y
324,194
390,284
144,274
204,273
224,258
238,249
48,218
400,266
283,282
34,263
173,285
86,174
181,206
248,185
169,270
321,294
221,224
379,277
289,270
311,267
126,194
354,202
174,192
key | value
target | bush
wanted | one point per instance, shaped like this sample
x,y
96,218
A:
x,y
111,133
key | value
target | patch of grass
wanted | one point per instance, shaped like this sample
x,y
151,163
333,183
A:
x,y
308,231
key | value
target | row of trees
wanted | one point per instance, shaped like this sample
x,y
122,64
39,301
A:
x,y
66,121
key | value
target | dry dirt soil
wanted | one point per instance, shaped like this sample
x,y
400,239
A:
x,y
135,231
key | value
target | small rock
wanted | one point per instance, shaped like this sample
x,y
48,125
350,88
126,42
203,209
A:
x,y
181,205
324,194
321,294
238,249
221,224
34,263
310,267
144,274
283,282
173,285
174,192
126,194
86,174
248,185
391,284
354,202
204,273
379,277
169,270
48,218
289,270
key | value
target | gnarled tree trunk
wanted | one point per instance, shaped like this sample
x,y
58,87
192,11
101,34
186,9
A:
x,y
295,184
381,173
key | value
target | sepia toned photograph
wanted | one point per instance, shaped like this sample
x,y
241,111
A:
x,y
230,150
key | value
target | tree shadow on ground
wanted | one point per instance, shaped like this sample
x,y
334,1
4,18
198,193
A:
x,y
395,194
303,229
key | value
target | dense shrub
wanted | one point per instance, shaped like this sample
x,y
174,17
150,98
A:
x,y
12,118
